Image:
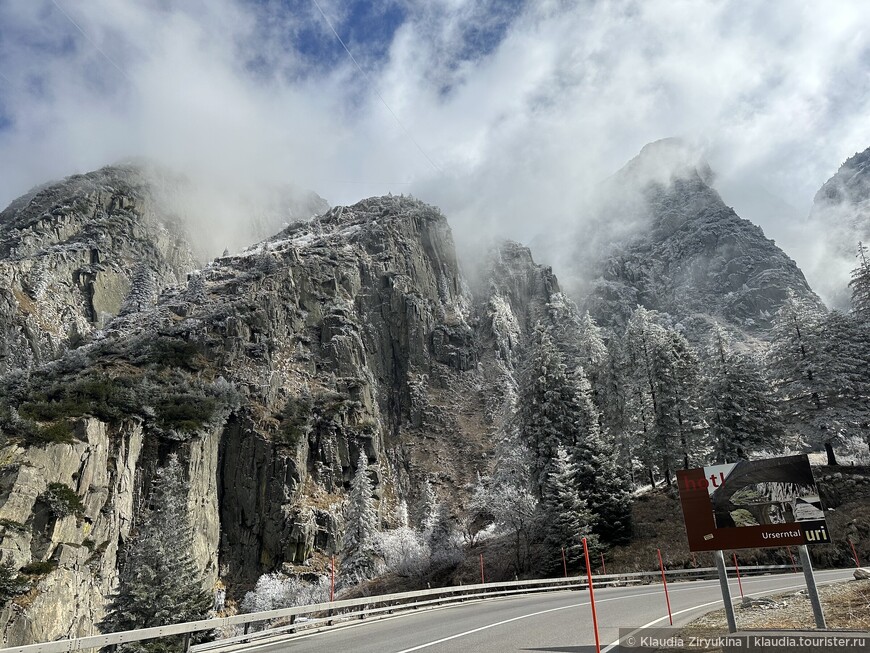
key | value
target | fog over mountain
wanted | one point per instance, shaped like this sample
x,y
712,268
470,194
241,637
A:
x,y
505,114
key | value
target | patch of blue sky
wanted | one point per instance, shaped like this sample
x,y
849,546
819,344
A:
x,y
483,37
295,27
5,118
51,36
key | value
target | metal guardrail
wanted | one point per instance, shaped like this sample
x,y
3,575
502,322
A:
x,y
338,610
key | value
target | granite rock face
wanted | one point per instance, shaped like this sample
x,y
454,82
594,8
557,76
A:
x,y
352,333
681,250
68,252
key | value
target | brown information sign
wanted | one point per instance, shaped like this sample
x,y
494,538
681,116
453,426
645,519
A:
x,y
749,504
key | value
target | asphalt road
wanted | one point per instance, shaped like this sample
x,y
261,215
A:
x,y
556,622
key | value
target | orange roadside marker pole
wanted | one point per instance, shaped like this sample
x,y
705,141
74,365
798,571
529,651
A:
x,y
591,596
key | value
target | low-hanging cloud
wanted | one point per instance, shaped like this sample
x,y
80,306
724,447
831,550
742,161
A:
x,y
520,108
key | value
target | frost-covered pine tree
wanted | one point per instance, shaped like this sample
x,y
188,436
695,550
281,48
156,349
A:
x,y
565,517
440,538
860,285
798,361
427,507
678,421
845,378
546,416
741,410
143,291
160,582
593,352
361,523
641,343
598,478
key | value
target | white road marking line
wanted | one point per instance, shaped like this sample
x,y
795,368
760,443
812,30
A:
x,y
534,614
487,627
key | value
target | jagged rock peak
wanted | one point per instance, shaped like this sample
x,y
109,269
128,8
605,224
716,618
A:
x,y
73,253
678,248
665,160
366,220
75,211
851,183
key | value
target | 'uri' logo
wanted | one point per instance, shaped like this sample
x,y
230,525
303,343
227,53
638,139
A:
x,y
819,534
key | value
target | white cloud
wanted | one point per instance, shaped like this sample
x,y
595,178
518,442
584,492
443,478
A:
x,y
778,91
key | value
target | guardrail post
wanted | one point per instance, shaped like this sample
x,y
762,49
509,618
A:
x,y
185,644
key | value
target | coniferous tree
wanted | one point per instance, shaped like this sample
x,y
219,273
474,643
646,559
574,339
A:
x,y
565,516
846,377
800,362
545,415
617,397
643,367
361,523
599,480
143,291
595,359
741,410
427,507
160,582
678,421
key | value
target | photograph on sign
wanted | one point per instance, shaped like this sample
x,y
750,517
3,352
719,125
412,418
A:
x,y
759,503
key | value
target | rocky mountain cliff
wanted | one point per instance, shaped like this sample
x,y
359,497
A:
x,y
267,373
68,252
838,221
671,244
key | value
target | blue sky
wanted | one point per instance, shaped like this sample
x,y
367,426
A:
x,y
506,114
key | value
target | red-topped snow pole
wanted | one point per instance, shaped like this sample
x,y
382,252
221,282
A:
x,y
603,566
564,563
665,583
737,569
793,565
591,596
482,577
854,553
332,582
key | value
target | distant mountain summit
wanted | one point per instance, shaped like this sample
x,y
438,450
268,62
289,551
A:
x,y
669,243
839,219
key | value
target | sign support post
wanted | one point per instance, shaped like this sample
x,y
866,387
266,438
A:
x,y
719,558
812,590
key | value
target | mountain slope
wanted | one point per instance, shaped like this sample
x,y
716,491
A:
x,y
687,253
839,219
